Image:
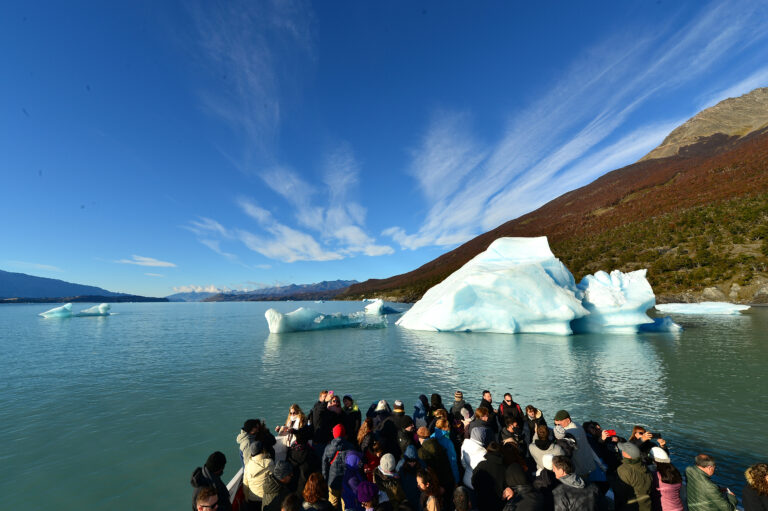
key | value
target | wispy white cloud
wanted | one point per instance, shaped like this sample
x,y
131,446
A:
x,y
26,265
146,261
568,135
154,275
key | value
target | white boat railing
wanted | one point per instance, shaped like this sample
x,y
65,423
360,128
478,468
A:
x,y
234,484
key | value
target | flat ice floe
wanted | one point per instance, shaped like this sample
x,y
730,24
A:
x,y
303,319
702,308
518,286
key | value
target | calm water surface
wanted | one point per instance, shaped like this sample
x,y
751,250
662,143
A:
x,y
116,412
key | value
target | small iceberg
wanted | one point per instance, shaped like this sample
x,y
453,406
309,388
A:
x,y
377,307
661,325
303,319
718,308
97,310
65,311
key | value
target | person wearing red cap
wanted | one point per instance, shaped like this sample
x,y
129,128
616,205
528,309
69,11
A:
x,y
333,463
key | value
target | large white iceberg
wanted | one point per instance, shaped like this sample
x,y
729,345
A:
x,y
377,307
65,311
97,310
702,308
518,286
303,319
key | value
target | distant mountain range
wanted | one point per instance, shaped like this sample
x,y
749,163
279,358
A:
x,y
694,211
324,290
191,296
20,287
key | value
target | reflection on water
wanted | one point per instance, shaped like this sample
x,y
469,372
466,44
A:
x,y
163,385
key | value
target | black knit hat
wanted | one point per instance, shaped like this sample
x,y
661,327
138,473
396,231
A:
x,y
216,462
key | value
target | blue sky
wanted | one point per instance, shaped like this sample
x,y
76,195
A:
x,y
149,147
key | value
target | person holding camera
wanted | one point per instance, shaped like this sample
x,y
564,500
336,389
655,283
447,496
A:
x,y
703,494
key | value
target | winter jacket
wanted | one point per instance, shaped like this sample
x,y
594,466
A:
x,y
472,453
493,421
333,462
489,481
529,426
632,486
274,494
583,457
321,424
254,476
573,495
512,411
704,495
545,482
478,423
353,421
666,496
353,476
541,447
455,410
401,420
446,443
752,500
305,461
391,486
420,415
435,457
525,498
203,477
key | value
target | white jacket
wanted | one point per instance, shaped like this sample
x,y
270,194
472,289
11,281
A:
x,y
472,453
255,474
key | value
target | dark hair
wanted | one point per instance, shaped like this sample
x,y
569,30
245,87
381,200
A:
x,y
511,420
486,392
564,463
250,424
205,493
430,480
315,488
291,503
216,462
481,411
435,401
542,431
508,394
493,447
668,473
531,408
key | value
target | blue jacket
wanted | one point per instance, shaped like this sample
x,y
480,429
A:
x,y
445,442
333,465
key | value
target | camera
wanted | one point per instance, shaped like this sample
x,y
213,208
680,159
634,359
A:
x,y
656,435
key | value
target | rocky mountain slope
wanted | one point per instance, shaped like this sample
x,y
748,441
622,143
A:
x,y
696,219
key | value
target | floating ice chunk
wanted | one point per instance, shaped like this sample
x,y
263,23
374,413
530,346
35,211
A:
x,y
65,311
702,308
303,319
617,302
96,310
664,324
516,285
377,307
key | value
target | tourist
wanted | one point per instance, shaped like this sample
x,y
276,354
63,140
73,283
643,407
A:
x,y
277,486
303,458
255,474
369,496
333,463
365,436
295,421
584,458
755,494
489,479
703,494
543,444
512,432
482,420
442,435
667,483
320,422
434,457
388,480
473,452
436,403
431,492
209,475
545,482
462,500
207,499
354,417
254,430
644,440
508,409
421,414
408,468
573,493
336,412
519,494
565,441
487,403
458,405
632,485
315,494
353,476
533,417
399,417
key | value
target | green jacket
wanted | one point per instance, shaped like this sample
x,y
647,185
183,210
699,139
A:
x,y
704,495
632,486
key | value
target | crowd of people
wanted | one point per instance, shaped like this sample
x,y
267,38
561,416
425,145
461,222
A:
x,y
443,458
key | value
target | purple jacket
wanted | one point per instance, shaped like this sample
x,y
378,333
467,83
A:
x,y
353,476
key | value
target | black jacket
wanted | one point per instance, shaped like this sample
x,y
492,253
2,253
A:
x,y
274,494
753,501
201,478
489,481
305,461
572,494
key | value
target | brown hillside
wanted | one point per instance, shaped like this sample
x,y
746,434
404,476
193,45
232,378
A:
x,y
716,168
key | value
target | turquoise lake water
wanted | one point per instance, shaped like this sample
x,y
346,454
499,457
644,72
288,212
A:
x,y
116,412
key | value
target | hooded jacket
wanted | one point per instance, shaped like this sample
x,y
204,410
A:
x,y
446,443
541,447
435,457
573,495
703,494
489,481
472,453
455,410
583,457
333,461
353,476
632,488
202,477
254,476
529,426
